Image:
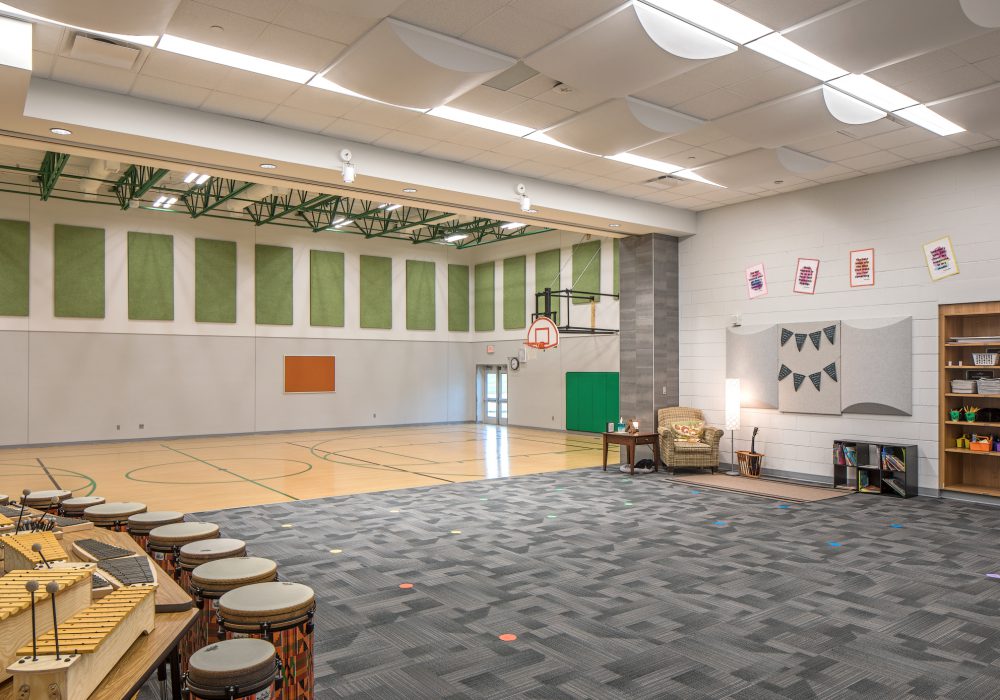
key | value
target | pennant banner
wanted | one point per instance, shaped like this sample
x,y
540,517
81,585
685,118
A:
x,y
800,340
785,336
831,369
831,333
798,379
816,337
783,372
816,377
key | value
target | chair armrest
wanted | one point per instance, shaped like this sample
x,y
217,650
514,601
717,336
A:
x,y
712,436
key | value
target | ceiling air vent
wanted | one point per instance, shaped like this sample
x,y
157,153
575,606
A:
x,y
665,181
103,52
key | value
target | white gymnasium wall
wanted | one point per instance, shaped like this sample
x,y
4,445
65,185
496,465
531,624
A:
x,y
65,379
894,212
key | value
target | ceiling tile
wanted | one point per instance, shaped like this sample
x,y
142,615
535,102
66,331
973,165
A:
x,y
601,166
902,137
532,168
538,115
493,161
929,63
454,17
979,48
486,100
564,13
168,91
326,20
946,84
259,87
872,160
818,143
355,131
299,119
633,190
322,101
880,126
380,115
513,33
969,138
47,38
665,149
701,135
730,146
41,64
534,86
601,184
715,104
264,10
434,127
991,67
236,106
673,92
544,153
940,154
916,151
400,141
451,151
845,151
569,97
194,20
295,48
181,69
773,84
734,68
782,14
69,70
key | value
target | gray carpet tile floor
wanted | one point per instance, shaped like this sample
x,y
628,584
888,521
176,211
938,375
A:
x,y
639,587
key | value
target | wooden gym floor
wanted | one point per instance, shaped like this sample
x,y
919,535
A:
x,y
195,474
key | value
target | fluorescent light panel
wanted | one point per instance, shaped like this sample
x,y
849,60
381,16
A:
x,y
643,162
930,120
191,177
390,207
714,17
202,179
483,122
541,137
791,54
513,225
215,54
454,238
692,175
873,92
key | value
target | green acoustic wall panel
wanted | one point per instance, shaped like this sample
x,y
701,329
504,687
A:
x,y
617,275
591,400
150,276
326,288
485,297
587,269
78,253
273,285
420,314
376,292
458,297
15,247
547,265
514,293
214,281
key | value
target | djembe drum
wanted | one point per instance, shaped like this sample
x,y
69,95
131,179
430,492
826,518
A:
x,y
113,516
165,542
194,554
238,669
141,524
74,507
46,500
212,580
281,613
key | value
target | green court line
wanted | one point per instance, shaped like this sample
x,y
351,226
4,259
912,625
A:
x,y
228,471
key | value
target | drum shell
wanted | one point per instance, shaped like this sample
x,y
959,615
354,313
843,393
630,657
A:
x,y
74,507
253,683
165,542
139,528
207,592
113,516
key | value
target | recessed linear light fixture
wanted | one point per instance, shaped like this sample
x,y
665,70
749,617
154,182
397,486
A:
x,y
873,92
390,207
513,225
268,166
409,190
483,122
791,54
455,238
614,225
930,120
715,17
234,59
643,162
541,137
338,223
164,202
202,179
60,131
695,177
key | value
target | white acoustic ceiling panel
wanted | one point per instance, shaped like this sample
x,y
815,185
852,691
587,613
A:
x,y
627,50
977,111
405,65
864,36
762,166
620,125
820,110
135,17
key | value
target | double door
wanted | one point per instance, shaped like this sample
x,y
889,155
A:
x,y
491,382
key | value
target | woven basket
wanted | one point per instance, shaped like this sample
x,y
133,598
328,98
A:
x,y
984,358
749,463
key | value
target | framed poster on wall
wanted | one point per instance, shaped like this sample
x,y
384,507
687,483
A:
x,y
806,271
941,260
756,281
863,268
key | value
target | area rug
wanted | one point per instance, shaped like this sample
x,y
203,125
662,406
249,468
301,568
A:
x,y
795,493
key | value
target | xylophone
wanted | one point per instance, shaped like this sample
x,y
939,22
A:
x,y
20,554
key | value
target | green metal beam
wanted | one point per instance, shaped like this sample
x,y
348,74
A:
x,y
504,237
274,207
137,181
217,191
49,172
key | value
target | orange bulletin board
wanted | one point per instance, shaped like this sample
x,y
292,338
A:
x,y
310,374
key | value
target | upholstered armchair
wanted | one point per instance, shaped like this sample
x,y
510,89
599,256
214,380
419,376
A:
x,y
678,455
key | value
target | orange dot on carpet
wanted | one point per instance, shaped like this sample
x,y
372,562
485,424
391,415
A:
x,y
508,637
406,585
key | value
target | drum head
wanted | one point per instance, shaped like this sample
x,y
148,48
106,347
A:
x,y
244,663
266,602
145,522
81,502
226,574
114,511
209,550
182,533
45,498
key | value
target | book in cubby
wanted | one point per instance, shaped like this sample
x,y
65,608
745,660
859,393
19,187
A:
x,y
882,468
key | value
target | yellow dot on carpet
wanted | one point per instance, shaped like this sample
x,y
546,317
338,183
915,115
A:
x,y
288,525
336,551
456,532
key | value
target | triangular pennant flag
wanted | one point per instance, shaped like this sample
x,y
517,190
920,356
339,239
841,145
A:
x,y
785,336
831,333
831,369
815,337
798,379
800,340
783,372
815,377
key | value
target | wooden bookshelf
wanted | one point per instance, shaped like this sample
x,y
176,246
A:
x,y
960,469
879,467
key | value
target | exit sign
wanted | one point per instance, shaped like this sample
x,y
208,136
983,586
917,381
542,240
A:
x,y
489,349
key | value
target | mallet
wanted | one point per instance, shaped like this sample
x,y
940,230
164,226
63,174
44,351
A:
x,y
52,588
24,494
32,586
37,547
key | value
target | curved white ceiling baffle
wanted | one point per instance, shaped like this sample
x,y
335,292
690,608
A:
x,y
626,50
760,167
409,66
787,120
136,18
977,111
864,36
985,13
620,125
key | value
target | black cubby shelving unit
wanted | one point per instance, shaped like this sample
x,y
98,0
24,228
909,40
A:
x,y
884,468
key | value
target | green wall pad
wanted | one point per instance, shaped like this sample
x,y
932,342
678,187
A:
x,y
150,277
376,292
273,285
587,269
458,297
15,247
214,281
78,254
326,288
591,400
485,298
420,295
546,274
514,292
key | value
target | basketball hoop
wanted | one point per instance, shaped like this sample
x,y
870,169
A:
x,y
543,334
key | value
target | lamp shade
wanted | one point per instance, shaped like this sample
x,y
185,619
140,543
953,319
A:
x,y
732,404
